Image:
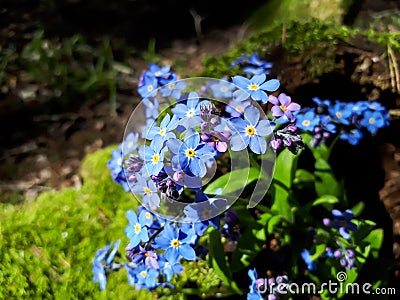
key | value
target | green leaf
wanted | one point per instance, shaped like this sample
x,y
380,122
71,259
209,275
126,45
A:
x,y
358,208
325,181
273,222
325,199
319,250
281,203
375,239
233,181
320,152
285,168
303,176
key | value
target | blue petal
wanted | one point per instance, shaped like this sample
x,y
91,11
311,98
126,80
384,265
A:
x,y
172,255
131,216
258,79
174,145
192,138
258,145
241,81
187,252
271,85
252,115
240,95
239,142
343,232
263,128
197,167
237,124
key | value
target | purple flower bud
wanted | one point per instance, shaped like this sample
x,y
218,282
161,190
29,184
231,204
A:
x,y
292,128
276,143
214,121
260,283
326,134
272,297
170,182
204,125
132,178
350,253
178,176
317,136
271,281
337,253
287,142
343,262
317,129
326,221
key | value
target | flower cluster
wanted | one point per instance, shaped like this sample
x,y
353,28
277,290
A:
x,y
252,65
266,288
349,120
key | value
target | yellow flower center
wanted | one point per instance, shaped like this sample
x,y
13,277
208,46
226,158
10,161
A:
x,y
155,158
224,89
342,223
147,191
306,123
171,86
215,139
137,228
189,152
239,108
150,88
253,87
158,73
147,215
119,162
371,120
339,114
147,254
283,107
250,130
143,273
162,132
175,243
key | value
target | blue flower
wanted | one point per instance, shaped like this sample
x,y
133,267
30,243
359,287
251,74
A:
x,y
341,112
189,113
342,222
191,153
254,87
307,121
173,89
353,137
153,156
148,257
135,230
204,215
236,108
148,189
359,107
143,277
257,66
253,294
149,87
222,89
175,243
322,103
169,269
157,71
115,164
151,107
98,266
239,60
311,264
130,144
249,131
166,126
372,120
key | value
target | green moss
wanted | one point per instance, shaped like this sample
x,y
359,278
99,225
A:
x,y
310,41
46,246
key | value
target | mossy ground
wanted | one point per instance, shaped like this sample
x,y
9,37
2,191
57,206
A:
x,y
47,246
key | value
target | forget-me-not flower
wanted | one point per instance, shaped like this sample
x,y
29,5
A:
x,y
372,120
307,121
135,231
254,87
149,87
249,131
164,130
153,156
148,189
173,89
283,106
151,107
191,153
